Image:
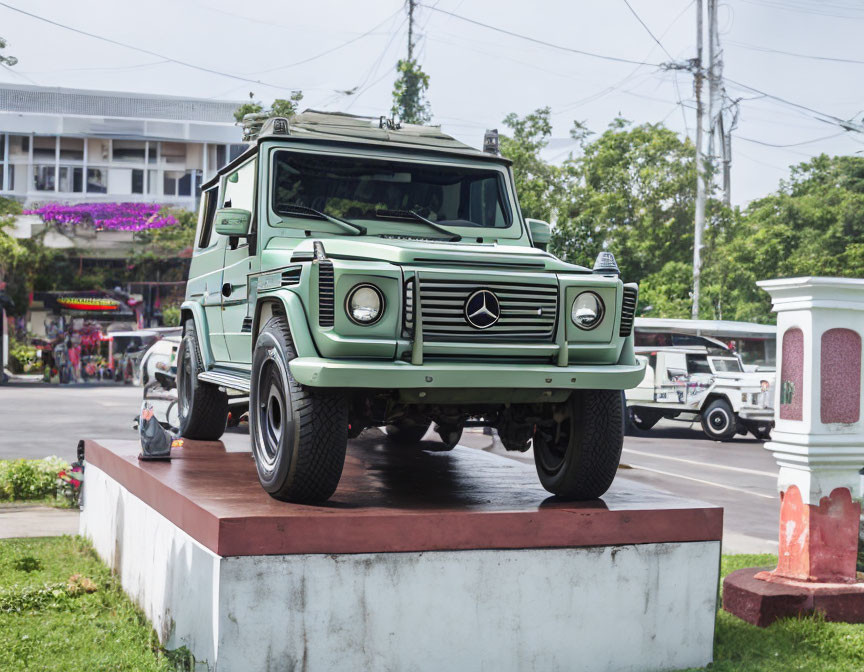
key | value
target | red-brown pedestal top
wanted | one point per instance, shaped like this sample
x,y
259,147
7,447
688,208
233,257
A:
x,y
393,499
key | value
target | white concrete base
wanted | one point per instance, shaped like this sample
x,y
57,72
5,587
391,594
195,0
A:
x,y
634,607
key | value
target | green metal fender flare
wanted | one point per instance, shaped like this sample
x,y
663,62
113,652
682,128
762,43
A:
x,y
292,306
194,310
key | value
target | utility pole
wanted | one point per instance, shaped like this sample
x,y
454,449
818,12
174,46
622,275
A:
x,y
716,102
726,140
411,5
700,165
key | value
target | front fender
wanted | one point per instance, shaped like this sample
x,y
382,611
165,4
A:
x,y
292,306
195,311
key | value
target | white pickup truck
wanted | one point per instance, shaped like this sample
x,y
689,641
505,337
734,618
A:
x,y
702,383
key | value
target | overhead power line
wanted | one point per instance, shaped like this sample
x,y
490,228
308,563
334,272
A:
x,y
528,38
821,116
666,51
791,144
647,29
332,49
756,47
142,50
820,8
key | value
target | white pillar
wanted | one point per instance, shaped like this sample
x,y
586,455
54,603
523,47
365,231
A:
x,y
56,163
818,439
5,185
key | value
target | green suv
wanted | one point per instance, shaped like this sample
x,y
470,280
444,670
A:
x,y
350,273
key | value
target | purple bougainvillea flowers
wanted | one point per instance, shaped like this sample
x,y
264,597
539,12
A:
x,y
105,216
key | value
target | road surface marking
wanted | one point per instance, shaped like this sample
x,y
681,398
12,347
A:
x,y
699,480
701,464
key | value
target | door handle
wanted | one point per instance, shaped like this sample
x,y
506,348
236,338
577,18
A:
x,y
226,289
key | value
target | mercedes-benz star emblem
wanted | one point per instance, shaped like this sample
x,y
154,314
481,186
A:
x,y
482,309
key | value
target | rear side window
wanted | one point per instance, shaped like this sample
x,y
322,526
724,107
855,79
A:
x,y
726,364
208,211
697,364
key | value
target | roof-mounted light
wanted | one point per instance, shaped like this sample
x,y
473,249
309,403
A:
x,y
261,123
490,142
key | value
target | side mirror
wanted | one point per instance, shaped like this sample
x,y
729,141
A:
x,y
541,232
233,222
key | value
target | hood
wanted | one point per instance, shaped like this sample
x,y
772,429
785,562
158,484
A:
x,y
429,252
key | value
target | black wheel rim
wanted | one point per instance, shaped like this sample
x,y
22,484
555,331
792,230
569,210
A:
x,y
552,439
185,389
271,413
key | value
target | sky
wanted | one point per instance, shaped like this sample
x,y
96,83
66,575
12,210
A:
x,y
329,48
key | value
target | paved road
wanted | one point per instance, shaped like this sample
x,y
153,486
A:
x,y
739,475
38,420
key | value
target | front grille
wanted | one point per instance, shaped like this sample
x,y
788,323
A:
x,y
528,310
628,309
325,293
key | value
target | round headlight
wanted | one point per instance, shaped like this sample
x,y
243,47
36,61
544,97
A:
x,y
365,304
587,310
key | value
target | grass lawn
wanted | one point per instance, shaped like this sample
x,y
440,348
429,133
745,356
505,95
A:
x,y
792,644
60,609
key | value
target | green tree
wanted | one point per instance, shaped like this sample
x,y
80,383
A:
x,y
35,267
409,93
538,183
630,191
281,107
812,225
164,251
6,60
11,250
286,107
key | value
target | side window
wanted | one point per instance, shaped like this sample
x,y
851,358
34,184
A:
x,y
697,364
676,365
239,191
208,210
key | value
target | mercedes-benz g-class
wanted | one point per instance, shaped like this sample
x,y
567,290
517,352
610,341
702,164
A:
x,y
351,273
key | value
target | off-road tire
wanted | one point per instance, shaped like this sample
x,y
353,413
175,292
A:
x,y
718,421
202,407
643,418
581,464
405,434
450,435
299,457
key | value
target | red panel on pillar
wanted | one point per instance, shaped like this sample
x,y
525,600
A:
x,y
840,378
792,376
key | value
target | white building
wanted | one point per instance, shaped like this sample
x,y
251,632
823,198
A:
x,y
73,145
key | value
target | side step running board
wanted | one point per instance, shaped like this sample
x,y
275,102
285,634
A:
x,y
226,379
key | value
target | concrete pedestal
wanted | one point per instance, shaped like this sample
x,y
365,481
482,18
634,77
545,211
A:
x,y
421,561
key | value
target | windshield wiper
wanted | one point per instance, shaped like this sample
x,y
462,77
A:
x,y
297,210
411,214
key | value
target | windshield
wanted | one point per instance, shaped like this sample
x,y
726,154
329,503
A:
x,y
726,364
386,190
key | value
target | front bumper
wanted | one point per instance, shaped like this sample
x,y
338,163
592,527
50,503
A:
x,y
371,374
757,414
